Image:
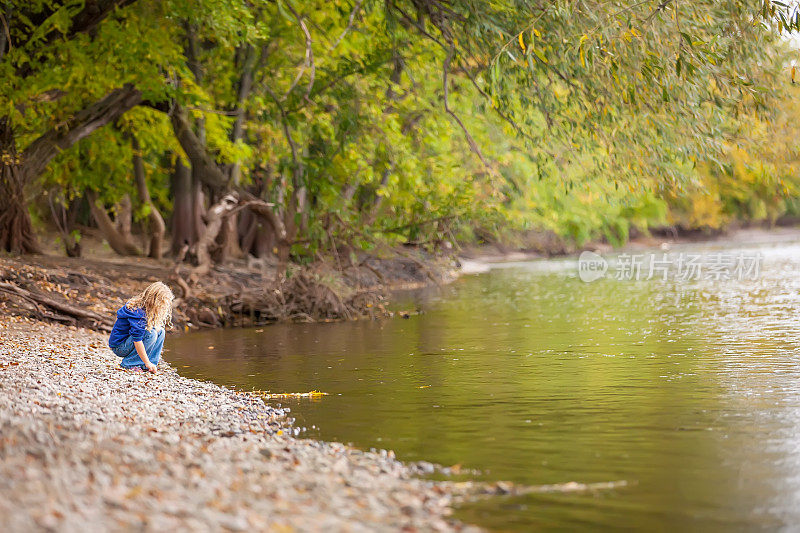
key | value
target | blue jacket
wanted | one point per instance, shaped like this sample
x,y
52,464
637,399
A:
x,y
130,323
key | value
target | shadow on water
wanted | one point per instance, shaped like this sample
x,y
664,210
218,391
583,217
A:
x,y
690,391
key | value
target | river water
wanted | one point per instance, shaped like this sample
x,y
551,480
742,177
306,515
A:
x,y
687,389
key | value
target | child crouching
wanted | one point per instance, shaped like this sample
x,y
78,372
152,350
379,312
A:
x,y
138,333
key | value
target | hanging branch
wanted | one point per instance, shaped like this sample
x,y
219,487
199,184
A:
x,y
349,23
157,226
40,152
285,126
309,58
445,73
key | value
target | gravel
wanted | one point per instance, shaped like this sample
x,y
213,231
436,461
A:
x,y
85,446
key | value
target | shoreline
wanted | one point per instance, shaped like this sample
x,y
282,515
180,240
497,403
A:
x,y
493,254
85,444
86,292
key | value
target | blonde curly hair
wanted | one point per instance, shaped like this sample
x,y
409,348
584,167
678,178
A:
x,y
156,300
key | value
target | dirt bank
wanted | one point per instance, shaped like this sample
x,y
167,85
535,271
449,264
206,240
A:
x,y
86,292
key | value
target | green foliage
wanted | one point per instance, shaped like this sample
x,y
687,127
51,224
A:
x,y
586,119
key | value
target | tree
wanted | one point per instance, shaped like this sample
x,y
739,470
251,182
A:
x,y
363,122
66,72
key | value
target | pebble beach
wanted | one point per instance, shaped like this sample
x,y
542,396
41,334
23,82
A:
x,y
85,446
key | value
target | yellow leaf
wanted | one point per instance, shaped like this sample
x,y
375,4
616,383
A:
x,y
521,42
584,38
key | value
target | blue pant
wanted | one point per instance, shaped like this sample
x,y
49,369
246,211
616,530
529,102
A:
x,y
153,344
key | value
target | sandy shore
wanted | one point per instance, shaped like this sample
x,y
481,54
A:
x,y
87,447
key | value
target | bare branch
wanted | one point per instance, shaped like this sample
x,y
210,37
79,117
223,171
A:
x,y
445,72
349,24
309,57
8,35
285,126
657,10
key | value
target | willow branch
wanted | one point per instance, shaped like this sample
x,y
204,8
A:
x,y
445,73
350,21
309,57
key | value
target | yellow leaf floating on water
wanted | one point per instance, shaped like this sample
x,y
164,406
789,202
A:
x,y
271,396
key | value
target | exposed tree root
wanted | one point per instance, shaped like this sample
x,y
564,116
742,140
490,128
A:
x,y
88,292
66,312
306,297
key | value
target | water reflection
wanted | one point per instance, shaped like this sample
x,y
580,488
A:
x,y
689,391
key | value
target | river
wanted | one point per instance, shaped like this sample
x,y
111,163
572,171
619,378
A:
x,y
686,388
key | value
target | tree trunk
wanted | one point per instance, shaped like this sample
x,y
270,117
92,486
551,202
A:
x,y
283,233
246,61
229,243
64,219
115,239
248,227
216,215
183,207
72,245
204,168
123,217
198,208
16,230
373,212
264,244
156,221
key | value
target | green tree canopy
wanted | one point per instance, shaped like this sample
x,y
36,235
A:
x,y
355,120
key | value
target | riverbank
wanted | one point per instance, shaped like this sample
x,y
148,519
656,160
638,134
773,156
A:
x,y
87,292
540,247
85,446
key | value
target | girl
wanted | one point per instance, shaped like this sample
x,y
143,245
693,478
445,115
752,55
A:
x,y
138,333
